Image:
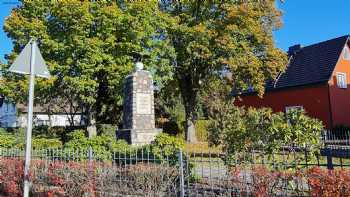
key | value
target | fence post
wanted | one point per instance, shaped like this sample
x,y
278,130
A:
x,y
90,154
329,159
181,170
305,154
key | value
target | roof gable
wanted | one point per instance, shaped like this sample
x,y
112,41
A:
x,y
311,64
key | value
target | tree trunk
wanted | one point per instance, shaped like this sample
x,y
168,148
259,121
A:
x,y
190,129
91,123
189,97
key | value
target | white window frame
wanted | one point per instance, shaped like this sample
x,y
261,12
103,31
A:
x,y
342,81
288,108
346,53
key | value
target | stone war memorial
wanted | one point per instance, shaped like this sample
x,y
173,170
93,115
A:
x,y
138,108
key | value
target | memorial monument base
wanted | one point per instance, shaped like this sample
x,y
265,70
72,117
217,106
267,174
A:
x,y
138,136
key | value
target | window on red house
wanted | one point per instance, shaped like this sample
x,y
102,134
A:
x,y
342,80
297,107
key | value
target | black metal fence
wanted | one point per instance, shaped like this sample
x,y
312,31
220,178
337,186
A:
x,y
201,172
335,146
141,172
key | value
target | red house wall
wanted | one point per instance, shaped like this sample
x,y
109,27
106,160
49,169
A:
x,y
314,99
340,98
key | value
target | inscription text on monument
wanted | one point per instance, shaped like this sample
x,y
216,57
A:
x,y
143,103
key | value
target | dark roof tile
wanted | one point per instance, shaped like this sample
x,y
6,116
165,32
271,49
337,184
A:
x,y
311,64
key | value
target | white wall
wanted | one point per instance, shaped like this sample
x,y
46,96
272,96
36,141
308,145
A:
x,y
52,120
9,118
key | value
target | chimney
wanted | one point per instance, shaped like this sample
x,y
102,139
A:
x,y
294,49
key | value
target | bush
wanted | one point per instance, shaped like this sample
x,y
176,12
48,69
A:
x,y
244,130
70,179
41,144
11,177
61,178
264,182
329,182
171,127
44,143
107,129
121,146
142,179
103,146
166,144
201,130
17,141
7,141
167,147
99,144
175,114
309,182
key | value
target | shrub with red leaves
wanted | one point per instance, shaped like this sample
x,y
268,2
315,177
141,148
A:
x,y
11,177
61,178
326,183
262,182
66,178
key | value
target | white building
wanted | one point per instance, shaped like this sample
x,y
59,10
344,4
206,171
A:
x,y
12,115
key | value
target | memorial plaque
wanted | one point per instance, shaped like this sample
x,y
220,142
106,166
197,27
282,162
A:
x,y
143,103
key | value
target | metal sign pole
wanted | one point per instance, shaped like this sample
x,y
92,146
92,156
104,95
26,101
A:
x,y
30,122
29,55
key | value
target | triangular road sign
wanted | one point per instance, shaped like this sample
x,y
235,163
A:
x,y
22,63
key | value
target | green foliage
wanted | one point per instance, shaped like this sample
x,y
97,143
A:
x,y
103,146
121,146
99,144
42,131
16,140
87,46
78,140
168,146
172,128
7,141
106,129
243,130
302,130
42,144
202,130
171,108
214,36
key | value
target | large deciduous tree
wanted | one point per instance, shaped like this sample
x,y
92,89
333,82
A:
x,y
87,46
212,37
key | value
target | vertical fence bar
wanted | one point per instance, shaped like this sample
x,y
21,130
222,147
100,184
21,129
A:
x,y
188,171
181,170
305,155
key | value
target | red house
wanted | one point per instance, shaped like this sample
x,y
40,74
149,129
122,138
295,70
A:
x,y
316,79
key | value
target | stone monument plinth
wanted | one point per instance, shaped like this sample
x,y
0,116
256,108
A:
x,y
138,108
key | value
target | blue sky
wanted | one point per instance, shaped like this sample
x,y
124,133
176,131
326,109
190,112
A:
x,y
5,43
311,21
305,22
